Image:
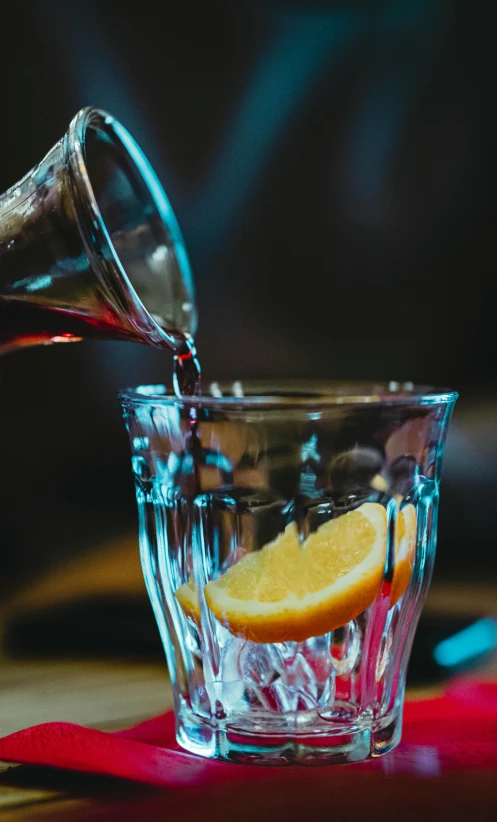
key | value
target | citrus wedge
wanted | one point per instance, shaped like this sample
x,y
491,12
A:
x,y
187,597
291,591
405,551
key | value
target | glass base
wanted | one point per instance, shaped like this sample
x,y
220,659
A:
x,y
322,743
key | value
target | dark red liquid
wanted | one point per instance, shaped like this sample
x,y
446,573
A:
x,y
186,377
23,324
186,382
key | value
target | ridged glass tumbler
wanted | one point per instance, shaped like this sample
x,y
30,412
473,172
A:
x,y
287,538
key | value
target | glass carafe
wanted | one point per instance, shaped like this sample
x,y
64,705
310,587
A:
x,y
90,247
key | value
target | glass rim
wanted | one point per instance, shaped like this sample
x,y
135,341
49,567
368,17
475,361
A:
x,y
296,394
98,242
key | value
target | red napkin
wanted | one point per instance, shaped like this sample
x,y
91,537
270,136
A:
x,y
457,730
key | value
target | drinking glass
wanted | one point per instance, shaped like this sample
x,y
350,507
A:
x,y
287,536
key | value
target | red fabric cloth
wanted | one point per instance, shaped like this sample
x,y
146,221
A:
x,y
457,730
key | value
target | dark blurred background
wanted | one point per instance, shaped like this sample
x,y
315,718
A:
x,y
333,168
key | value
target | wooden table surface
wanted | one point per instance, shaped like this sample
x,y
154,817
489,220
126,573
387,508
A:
x,y
89,692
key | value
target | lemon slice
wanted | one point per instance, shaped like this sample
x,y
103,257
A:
x,y
292,591
187,597
405,551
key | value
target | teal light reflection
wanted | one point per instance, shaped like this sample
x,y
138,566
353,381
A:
x,y
472,642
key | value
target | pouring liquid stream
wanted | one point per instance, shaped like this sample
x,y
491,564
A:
x,y
186,383
186,374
